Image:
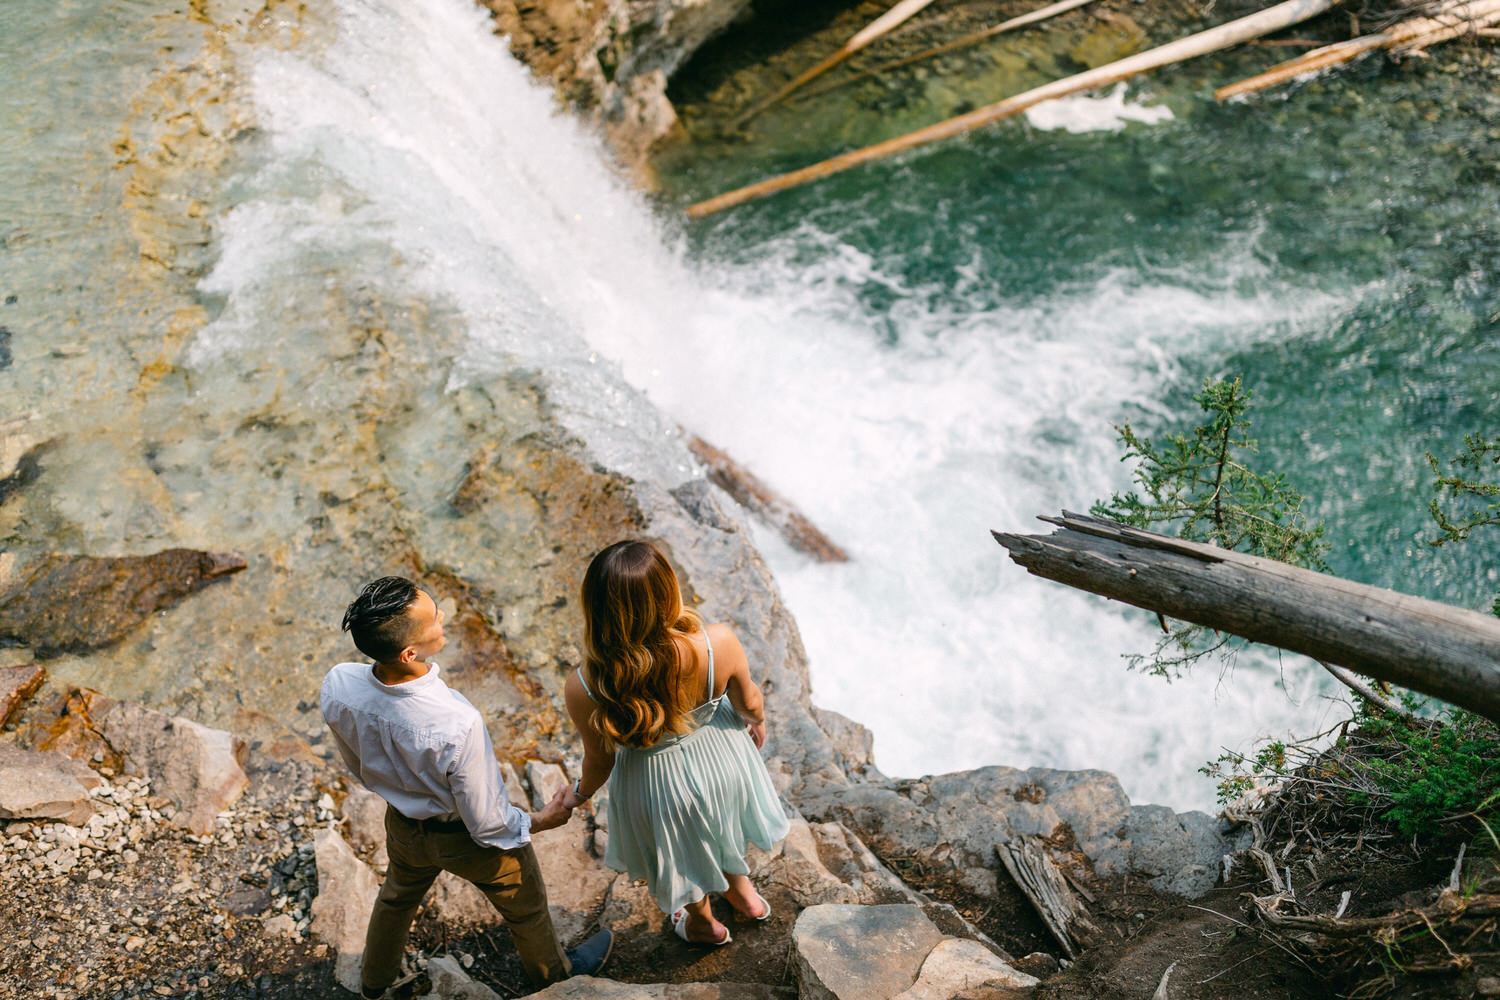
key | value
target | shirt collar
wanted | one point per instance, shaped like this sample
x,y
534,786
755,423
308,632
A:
x,y
406,688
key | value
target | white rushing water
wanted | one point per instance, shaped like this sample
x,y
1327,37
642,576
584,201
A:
x,y
414,132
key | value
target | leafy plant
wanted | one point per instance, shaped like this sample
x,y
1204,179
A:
x,y
1462,503
1200,486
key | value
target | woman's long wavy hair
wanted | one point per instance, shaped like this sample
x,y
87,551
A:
x,y
632,613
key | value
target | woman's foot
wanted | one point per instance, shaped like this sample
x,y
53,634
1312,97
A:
x,y
747,902
694,929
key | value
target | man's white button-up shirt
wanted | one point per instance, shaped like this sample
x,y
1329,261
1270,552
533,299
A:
x,y
423,748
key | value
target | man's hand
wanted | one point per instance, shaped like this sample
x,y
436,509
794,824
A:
x,y
554,814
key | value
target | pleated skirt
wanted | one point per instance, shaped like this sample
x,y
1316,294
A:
x,y
681,814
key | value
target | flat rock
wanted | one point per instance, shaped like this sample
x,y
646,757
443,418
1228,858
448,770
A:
x,y
17,685
956,965
74,604
341,909
848,952
200,769
44,784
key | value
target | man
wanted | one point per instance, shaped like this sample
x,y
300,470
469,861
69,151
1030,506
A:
x,y
425,750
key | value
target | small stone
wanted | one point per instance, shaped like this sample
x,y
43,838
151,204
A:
x,y
1489,986
134,943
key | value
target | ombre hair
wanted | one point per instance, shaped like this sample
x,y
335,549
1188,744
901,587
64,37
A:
x,y
632,616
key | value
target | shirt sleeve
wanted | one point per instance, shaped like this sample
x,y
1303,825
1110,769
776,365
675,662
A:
x,y
479,795
331,716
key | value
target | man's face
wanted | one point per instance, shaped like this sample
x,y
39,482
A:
x,y
426,628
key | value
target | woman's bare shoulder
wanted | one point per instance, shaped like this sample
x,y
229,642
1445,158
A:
x,y
727,648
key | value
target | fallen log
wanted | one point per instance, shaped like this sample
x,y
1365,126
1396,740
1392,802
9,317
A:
x,y
1283,15
758,498
902,11
1414,34
1036,16
1437,649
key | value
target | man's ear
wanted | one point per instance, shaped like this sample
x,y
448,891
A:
x,y
407,655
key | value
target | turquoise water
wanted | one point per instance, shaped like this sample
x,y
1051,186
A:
x,y
1375,194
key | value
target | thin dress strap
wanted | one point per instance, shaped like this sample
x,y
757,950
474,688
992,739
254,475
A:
x,y
710,644
586,686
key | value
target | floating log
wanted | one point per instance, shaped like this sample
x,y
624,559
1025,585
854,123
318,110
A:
x,y
1283,15
1043,885
1051,10
1460,18
1438,649
762,501
902,11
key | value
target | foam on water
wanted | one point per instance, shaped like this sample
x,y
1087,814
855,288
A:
x,y
414,132
1108,112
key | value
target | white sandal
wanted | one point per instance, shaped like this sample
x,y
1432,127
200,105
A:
x,y
679,927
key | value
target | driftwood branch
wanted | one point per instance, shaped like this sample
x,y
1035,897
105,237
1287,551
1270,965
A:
x,y
1438,649
902,11
1459,18
1042,883
755,496
1034,17
1283,15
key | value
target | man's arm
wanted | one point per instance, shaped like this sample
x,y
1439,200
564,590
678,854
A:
x,y
482,804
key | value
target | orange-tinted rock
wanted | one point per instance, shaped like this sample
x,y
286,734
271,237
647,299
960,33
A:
x,y
73,604
17,685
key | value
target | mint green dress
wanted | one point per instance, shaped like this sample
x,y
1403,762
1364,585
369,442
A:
x,y
682,812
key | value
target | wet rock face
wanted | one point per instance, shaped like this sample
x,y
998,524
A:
x,y
74,604
610,59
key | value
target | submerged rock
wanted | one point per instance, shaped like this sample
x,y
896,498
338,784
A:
x,y
74,604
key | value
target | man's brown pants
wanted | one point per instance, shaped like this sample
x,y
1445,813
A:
x,y
510,879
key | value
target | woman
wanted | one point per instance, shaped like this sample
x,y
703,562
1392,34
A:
x,y
670,716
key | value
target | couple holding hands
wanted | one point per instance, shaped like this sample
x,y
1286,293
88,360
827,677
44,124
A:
x,y
667,712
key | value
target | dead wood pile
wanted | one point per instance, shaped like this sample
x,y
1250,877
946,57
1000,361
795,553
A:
x,y
1335,886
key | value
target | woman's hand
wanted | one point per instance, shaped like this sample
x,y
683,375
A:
x,y
573,800
757,732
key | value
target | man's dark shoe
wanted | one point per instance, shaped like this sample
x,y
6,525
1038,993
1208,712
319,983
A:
x,y
589,958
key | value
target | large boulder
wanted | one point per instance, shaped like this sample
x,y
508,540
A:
x,y
955,820
44,784
341,910
848,952
200,769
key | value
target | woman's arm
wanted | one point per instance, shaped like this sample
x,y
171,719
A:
x,y
744,693
597,761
